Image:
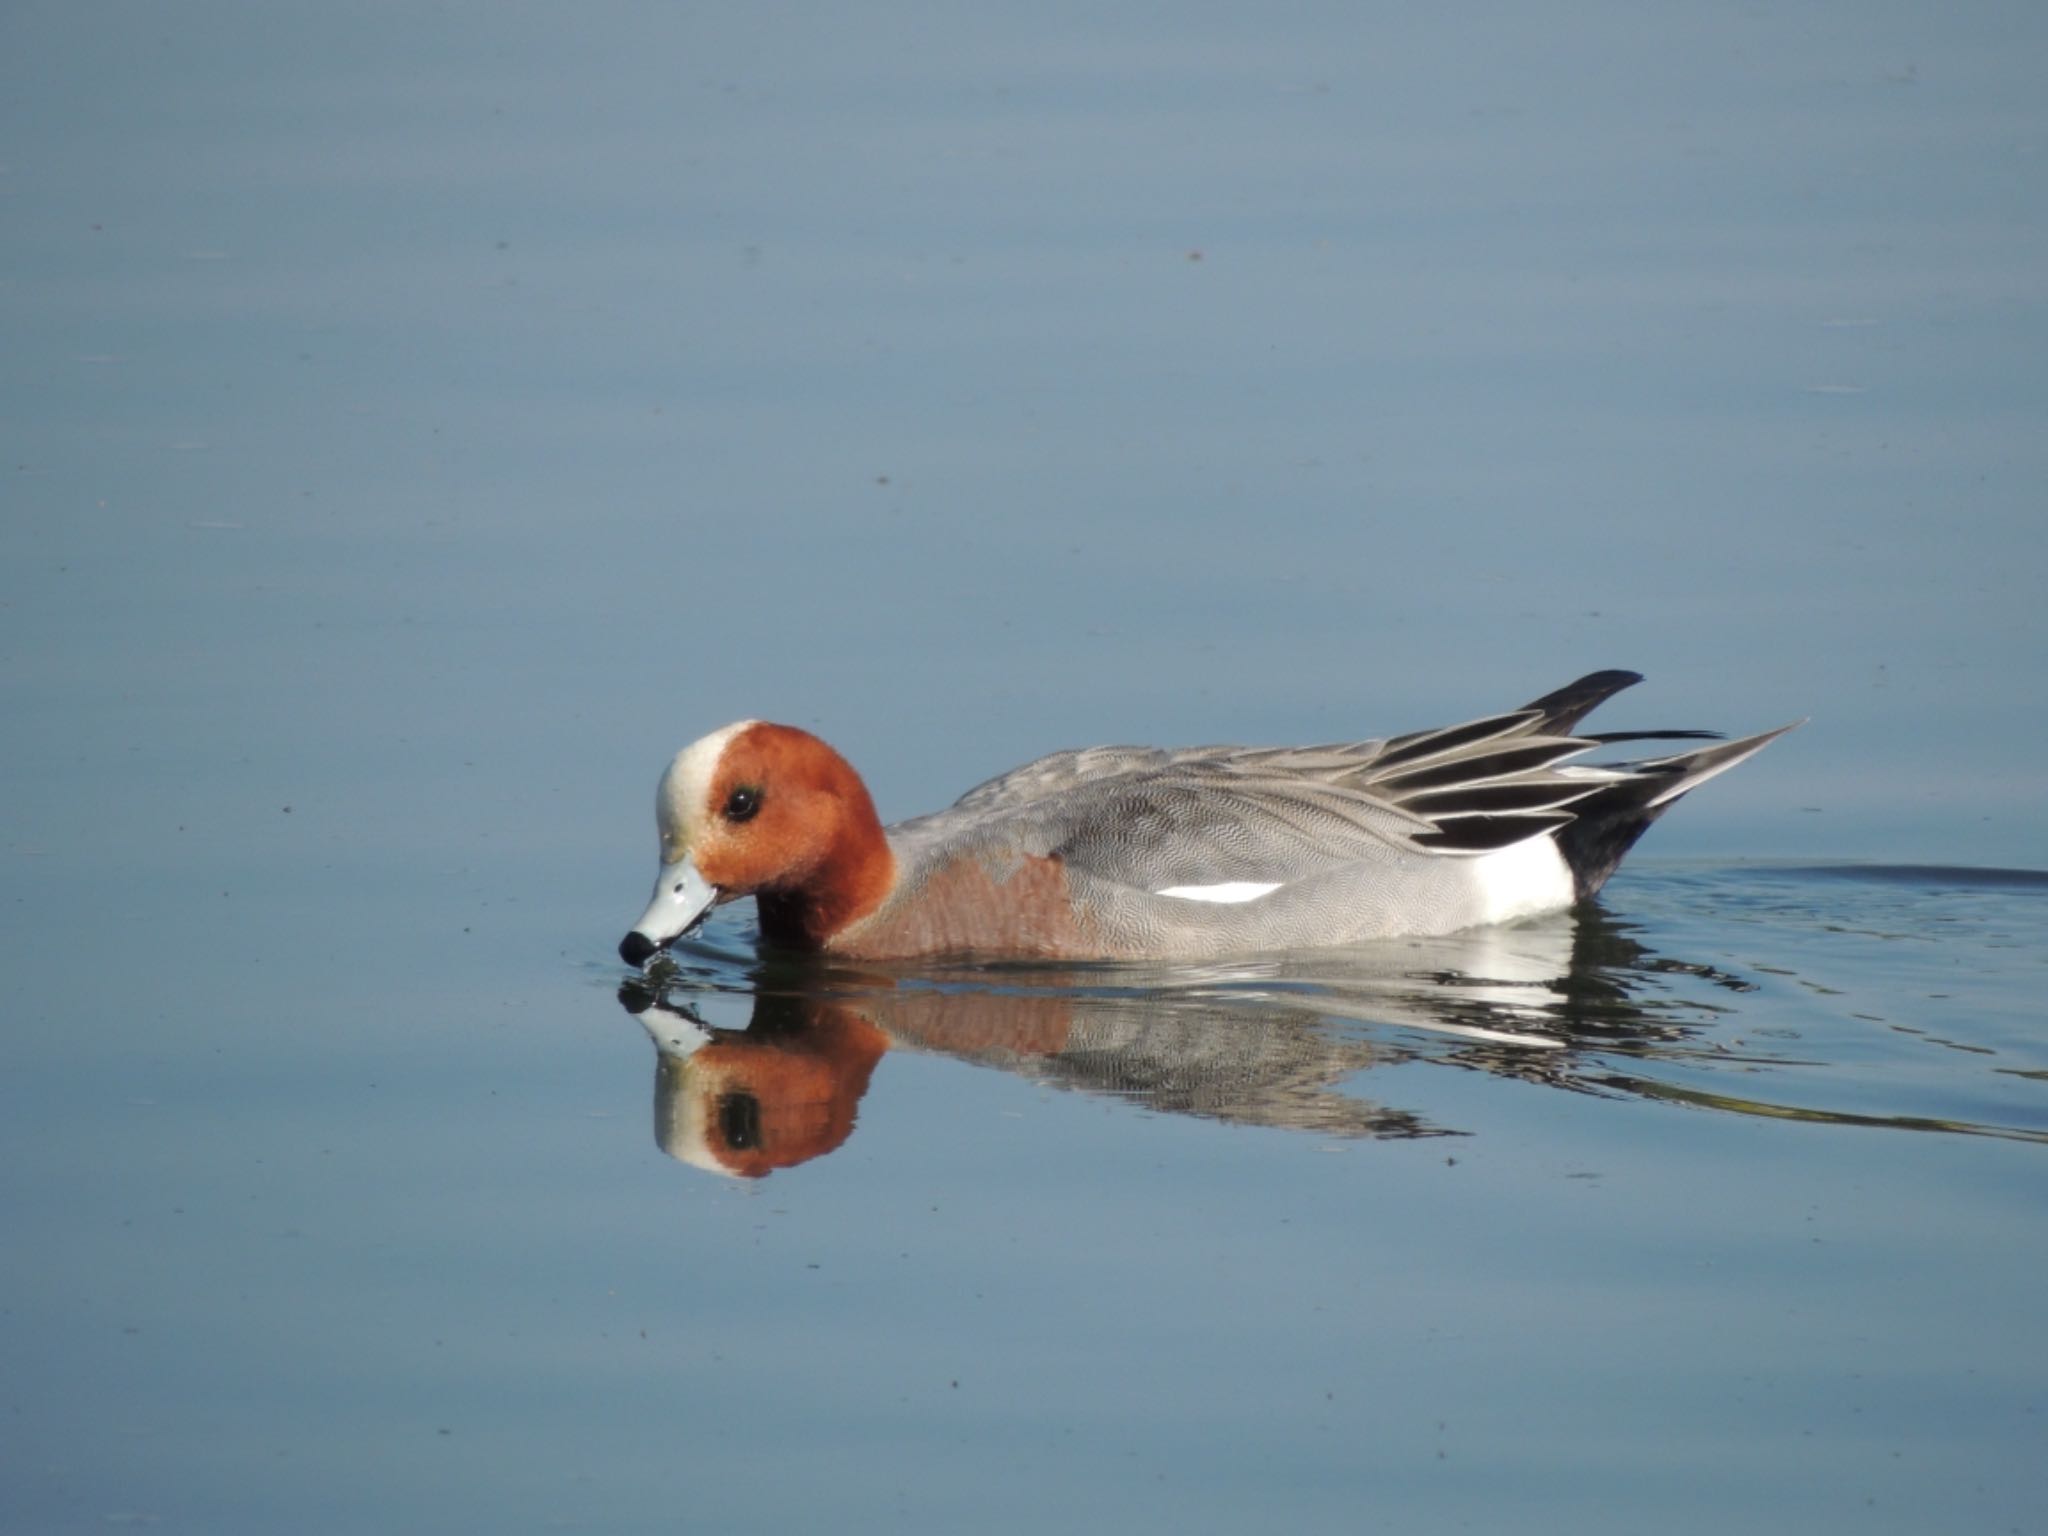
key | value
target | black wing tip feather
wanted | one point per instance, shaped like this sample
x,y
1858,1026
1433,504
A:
x,y
1494,799
1486,834
1419,745
1609,738
1567,706
1522,756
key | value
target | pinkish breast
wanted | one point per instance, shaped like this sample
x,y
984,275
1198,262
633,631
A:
x,y
964,907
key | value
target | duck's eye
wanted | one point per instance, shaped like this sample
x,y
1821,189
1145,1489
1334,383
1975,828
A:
x,y
739,1121
741,804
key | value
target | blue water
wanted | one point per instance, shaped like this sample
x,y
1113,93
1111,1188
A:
x,y
419,422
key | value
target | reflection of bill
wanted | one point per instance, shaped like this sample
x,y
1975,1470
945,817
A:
x,y
1271,1043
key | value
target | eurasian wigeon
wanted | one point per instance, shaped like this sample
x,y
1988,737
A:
x,y
1152,853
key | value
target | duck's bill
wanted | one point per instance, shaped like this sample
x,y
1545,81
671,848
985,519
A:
x,y
682,899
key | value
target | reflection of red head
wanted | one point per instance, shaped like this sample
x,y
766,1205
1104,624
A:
x,y
783,1093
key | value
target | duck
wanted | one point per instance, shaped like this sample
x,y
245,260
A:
x,y
1148,853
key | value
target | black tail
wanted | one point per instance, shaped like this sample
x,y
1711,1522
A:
x,y
1606,824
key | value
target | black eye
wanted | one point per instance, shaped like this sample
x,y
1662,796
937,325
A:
x,y
739,1121
741,804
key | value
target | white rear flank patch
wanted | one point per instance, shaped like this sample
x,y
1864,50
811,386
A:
x,y
1522,879
1228,891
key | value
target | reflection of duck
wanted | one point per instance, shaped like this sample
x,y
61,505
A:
x,y
1268,1043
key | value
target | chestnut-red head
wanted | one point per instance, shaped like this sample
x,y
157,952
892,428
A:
x,y
768,811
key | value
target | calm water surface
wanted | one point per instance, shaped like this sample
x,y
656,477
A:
x,y
1723,1195
418,422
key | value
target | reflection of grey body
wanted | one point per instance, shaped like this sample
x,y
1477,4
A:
x,y
1251,1065
1269,1042
1272,1042
1571,1002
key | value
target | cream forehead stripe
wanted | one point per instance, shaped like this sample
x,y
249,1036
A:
x,y
687,784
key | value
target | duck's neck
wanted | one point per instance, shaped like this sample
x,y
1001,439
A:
x,y
853,878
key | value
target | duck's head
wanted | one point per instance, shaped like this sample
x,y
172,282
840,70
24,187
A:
x,y
763,810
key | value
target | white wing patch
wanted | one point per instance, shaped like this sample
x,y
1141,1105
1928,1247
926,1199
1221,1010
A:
x,y
1228,891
